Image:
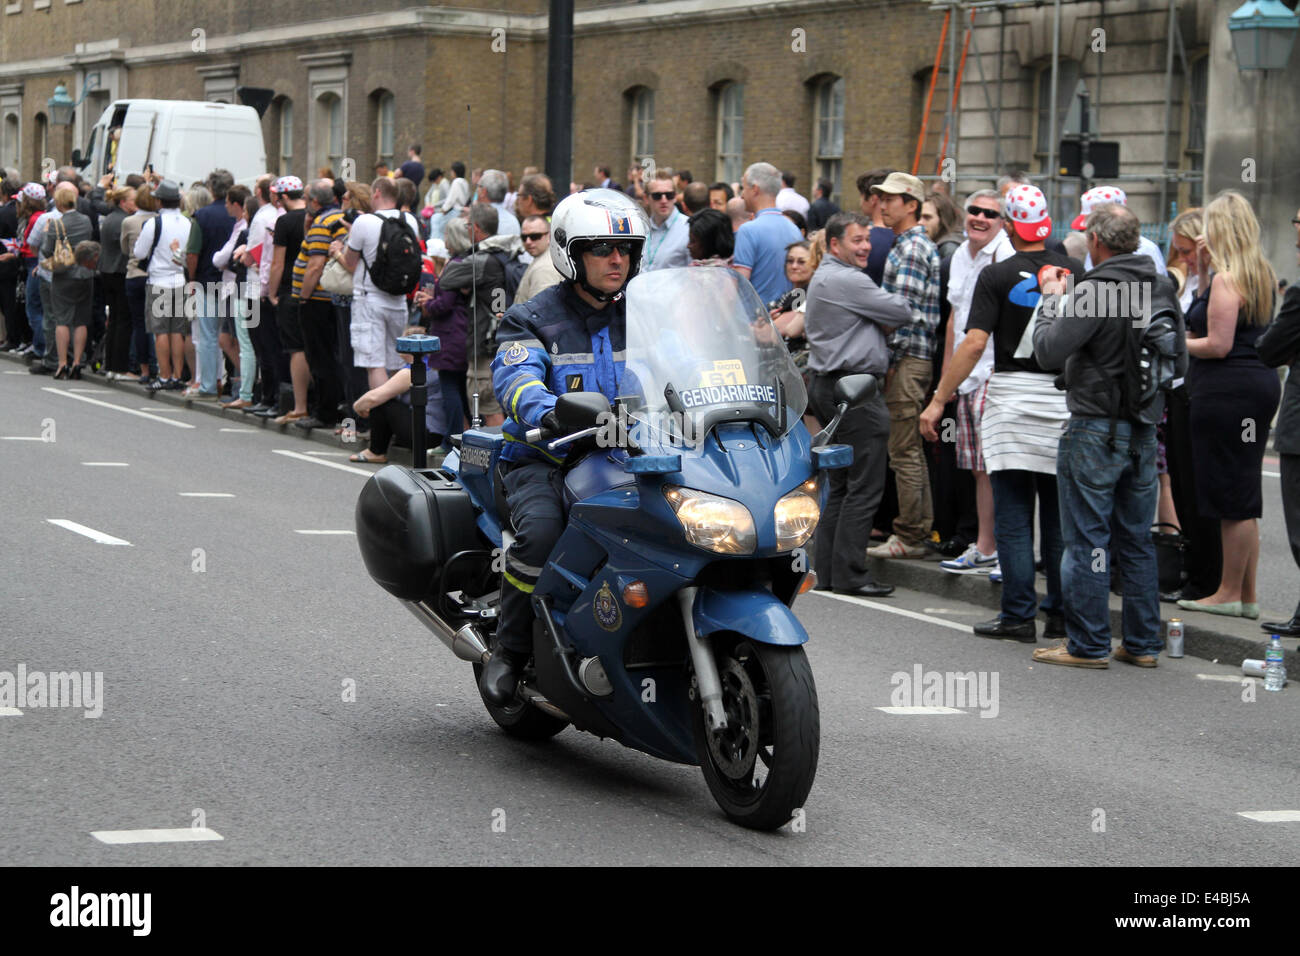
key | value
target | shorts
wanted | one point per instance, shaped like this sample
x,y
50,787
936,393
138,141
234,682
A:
x,y
970,412
164,310
289,319
373,331
479,378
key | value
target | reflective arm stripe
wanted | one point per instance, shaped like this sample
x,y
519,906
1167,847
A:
x,y
537,448
514,399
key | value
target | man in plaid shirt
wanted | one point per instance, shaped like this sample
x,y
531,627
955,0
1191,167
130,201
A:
x,y
912,271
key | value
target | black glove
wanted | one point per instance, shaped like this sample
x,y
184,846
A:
x,y
551,423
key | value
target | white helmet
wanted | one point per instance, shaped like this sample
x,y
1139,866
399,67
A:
x,y
590,215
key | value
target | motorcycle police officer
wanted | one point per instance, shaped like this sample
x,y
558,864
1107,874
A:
x,y
569,337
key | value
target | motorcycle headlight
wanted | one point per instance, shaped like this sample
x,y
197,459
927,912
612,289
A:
x,y
796,516
712,522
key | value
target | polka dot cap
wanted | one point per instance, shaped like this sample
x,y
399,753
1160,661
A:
x,y
1027,210
1097,196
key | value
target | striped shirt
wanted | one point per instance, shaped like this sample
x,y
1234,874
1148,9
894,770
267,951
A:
x,y
912,270
1024,414
328,225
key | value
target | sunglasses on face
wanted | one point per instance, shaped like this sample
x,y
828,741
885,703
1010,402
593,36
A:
x,y
534,236
604,248
663,195
791,262
986,213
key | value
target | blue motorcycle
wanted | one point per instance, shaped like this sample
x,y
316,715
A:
x,y
663,616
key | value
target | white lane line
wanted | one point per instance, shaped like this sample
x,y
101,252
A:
x,y
237,430
921,711
176,835
160,407
1226,678
309,531
1271,816
877,606
316,461
89,391
117,408
205,494
328,454
1271,474
950,610
90,533
106,464
10,712
21,438
19,372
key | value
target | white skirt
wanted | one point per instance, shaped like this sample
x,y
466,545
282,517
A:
x,y
1024,415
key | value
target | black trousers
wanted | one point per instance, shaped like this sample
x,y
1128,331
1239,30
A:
x,y
840,545
16,329
1291,505
1203,559
392,422
117,353
951,488
271,360
537,513
320,343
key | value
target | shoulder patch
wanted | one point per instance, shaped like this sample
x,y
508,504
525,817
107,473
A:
x,y
515,354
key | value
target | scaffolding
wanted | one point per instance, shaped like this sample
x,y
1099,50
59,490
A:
x,y
959,11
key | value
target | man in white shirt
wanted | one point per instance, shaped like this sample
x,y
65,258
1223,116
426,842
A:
x,y
787,198
262,327
174,256
378,317
665,245
986,243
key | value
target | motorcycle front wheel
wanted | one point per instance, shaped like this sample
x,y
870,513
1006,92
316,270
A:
x,y
760,768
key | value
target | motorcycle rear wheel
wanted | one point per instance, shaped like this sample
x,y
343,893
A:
x,y
761,767
521,719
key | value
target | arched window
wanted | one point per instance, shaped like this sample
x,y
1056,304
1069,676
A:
x,y
1194,150
386,111
643,123
329,131
828,131
731,132
285,127
40,143
10,149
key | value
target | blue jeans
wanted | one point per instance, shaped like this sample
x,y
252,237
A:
x,y
1014,492
35,314
209,309
1108,500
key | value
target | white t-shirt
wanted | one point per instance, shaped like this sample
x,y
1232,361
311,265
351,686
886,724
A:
x,y
260,233
164,272
364,238
963,272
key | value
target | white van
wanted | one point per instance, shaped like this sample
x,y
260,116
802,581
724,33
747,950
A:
x,y
183,140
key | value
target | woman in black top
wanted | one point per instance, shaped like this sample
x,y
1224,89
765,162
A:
x,y
112,274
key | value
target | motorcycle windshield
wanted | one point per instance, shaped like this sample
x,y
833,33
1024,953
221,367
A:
x,y
702,349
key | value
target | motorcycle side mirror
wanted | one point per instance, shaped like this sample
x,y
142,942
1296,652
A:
x,y
579,410
853,390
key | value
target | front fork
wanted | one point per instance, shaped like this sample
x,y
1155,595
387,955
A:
x,y
706,668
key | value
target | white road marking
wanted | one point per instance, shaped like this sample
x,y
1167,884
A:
x,y
90,533
10,712
877,606
316,461
921,711
237,430
308,531
1226,678
106,464
1271,816
205,494
1271,474
175,835
18,372
328,454
159,406
950,610
21,438
89,391
117,408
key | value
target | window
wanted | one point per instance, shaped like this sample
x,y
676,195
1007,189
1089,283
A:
x,y
828,132
10,150
329,131
40,141
731,132
1194,151
1065,203
643,123
286,136
387,108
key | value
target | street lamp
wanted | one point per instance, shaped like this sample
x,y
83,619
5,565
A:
x,y
1263,32
62,105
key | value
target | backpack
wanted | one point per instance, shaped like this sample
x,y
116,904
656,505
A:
x,y
514,271
1150,368
398,262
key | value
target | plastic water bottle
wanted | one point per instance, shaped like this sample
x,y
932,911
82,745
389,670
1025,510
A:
x,y
1274,672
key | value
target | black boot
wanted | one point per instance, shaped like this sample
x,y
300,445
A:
x,y
501,675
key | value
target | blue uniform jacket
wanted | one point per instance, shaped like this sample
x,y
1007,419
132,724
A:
x,y
552,344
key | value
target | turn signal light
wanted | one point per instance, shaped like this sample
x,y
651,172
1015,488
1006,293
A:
x,y
808,583
636,594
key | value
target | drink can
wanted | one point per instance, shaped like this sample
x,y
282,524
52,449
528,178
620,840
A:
x,y
1252,667
1174,643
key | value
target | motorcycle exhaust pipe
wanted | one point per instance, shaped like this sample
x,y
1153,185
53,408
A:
x,y
466,642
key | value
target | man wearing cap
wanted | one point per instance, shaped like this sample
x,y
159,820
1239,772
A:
x,y
286,241
1099,195
169,244
1023,416
912,271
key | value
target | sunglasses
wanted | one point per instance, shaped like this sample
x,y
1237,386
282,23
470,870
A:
x,y
986,213
1295,222
663,195
791,262
604,248
534,236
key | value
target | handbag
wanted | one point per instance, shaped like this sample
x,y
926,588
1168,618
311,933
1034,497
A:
x,y
336,280
1169,555
63,258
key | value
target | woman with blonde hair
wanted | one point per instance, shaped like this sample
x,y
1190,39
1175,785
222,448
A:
x,y
1233,395
1185,262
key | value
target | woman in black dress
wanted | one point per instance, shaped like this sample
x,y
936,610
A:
x,y
1233,395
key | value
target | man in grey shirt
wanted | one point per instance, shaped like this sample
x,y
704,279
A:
x,y
848,320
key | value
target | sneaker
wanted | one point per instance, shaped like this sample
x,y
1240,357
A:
x,y
1122,653
972,561
995,575
895,548
1058,654
159,385
175,385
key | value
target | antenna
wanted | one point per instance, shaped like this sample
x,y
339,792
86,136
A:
x,y
474,418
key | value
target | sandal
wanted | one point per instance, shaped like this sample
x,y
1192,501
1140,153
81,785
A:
x,y
288,417
363,457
